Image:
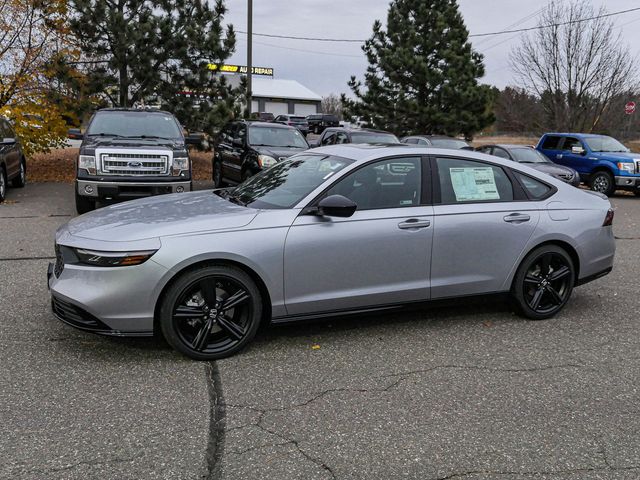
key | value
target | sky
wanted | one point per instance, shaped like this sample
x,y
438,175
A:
x,y
326,67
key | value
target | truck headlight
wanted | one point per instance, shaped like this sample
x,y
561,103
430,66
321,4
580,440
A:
x,y
626,167
88,163
112,259
180,164
265,161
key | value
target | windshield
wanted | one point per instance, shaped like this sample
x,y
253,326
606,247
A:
x,y
528,155
134,124
448,143
276,137
287,182
605,144
369,137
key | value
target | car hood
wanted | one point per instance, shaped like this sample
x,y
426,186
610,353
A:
x,y
161,215
139,143
617,156
551,169
279,152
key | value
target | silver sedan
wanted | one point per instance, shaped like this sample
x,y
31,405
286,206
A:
x,y
331,231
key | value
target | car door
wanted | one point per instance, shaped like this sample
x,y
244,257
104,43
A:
x,y
482,222
378,256
238,152
551,147
223,149
578,161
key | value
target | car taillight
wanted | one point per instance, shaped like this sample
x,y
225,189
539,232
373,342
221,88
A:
x,y
608,220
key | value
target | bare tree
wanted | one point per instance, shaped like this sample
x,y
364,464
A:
x,y
332,104
576,63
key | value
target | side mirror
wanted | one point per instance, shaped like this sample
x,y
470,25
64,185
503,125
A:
x,y
8,141
75,134
238,142
194,139
336,206
578,150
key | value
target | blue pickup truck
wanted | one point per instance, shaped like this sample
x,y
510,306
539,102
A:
x,y
603,163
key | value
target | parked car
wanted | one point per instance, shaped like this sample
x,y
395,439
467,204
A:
x,y
340,135
319,121
130,153
244,148
603,163
440,141
294,121
331,231
263,116
535,159
13,163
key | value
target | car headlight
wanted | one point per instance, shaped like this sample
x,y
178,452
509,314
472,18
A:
x,y
88,163
265,161
180,164
112,259
626,167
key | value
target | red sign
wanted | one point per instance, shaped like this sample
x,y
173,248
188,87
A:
x,y
629,108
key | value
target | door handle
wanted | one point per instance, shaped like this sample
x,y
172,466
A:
x,y
414,223
517,218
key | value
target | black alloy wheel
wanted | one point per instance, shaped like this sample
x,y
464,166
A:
x,y
211,313
544,282
603,182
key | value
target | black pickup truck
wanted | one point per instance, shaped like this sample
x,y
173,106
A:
x,y
130,153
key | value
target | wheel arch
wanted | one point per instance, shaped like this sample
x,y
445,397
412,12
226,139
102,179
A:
x,y
566,246
262,287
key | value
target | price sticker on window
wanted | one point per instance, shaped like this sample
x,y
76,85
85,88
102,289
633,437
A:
x,y
474,184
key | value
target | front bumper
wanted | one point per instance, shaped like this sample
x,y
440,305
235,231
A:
x,y
98,189
118,301
628,182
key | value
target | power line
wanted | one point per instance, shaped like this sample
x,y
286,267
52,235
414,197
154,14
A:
x,y
501,32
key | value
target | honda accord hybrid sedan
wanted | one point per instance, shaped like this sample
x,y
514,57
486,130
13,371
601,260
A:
x,y
331,231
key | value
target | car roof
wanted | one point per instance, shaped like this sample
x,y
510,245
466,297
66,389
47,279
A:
x,y
264,124
356,130
506,146
580,135
135,110
435,136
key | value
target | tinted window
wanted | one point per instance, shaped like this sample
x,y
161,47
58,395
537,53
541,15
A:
x,y
329,139
501,152
134,124
486,150
342,137
411,141
449,143
528,155
371,137
276,137
570,142
551,142
385,184
535,188
463,181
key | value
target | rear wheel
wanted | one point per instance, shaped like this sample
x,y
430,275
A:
x,y
544,282
84,204
603,182
211,313
3,184
21,180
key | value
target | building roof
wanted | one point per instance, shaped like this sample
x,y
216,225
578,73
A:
x,y
279,88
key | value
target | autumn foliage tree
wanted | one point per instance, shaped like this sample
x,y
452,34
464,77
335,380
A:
x,y
31,32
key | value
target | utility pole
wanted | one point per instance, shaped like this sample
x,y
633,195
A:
x,y
249,54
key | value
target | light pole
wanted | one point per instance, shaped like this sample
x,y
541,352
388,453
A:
x,y
249,54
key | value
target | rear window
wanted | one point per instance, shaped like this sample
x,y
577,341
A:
x,y
298,119
370,137
331,118
449,143
551,142
536,189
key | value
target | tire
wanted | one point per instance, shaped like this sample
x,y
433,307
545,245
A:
x,y
84,204
217,175
602,182
636,193
543,283
21,180
193,317
3,184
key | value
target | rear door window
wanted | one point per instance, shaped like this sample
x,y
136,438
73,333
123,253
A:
x,y
329,139
569,143
468,181
551,142
535,188
501,152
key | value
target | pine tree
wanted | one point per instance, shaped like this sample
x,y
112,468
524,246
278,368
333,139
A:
x,y
143,49
423,74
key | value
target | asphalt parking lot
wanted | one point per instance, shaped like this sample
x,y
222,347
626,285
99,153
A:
x,y
467,391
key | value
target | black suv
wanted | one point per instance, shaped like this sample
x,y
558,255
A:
x,y
319,121
294,121
244,148
336,136
13,165
129,153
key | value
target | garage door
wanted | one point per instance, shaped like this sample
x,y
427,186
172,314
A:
x,y
277,108
305,109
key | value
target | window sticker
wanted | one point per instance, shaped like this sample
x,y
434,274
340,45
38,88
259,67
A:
x,y
474,183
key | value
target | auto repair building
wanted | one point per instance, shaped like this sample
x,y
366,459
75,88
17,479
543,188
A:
x,y
273,95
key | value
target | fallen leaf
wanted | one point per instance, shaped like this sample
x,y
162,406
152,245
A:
x,y
315,347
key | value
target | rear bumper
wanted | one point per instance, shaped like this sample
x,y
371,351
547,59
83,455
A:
x,y
97,189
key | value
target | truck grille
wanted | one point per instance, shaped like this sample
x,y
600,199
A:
x,y
134,163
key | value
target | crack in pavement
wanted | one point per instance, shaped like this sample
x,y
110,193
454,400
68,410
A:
x,y
16,259
535,473
217,420
490,369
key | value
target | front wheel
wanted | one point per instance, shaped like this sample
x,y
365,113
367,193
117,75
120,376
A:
x,y
544,282
211,313
603,182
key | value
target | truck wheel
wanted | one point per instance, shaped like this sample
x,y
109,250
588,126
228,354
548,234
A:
x,y
21,180
84,204
602,182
